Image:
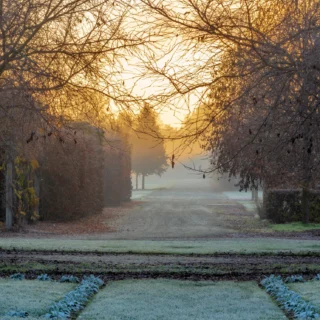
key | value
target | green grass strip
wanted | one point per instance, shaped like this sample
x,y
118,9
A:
x,y
200,247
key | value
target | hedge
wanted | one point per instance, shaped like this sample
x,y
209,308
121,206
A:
x,y
290,301
282,206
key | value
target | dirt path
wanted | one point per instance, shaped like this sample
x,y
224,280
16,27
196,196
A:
x,y
187,210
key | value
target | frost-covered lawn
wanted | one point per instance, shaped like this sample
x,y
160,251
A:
x,y
309,291
181,300
295,227
166,247
32,296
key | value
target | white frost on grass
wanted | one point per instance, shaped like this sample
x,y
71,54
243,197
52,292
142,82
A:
x,y
166,247
309,291
181,300
32,296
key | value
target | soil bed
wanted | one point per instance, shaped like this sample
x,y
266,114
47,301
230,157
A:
x,y
128,266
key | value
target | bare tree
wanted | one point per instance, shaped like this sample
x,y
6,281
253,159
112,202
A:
x,y
255,68
62,51
60,60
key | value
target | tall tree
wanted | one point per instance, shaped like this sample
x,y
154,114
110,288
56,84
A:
x,y
148,153
256,63
60,53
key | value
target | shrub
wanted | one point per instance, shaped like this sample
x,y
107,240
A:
x,y
282,206
79,171
44,277
71,279
117,172
71,171
75,300
292,279
289,300
82,172
17,276
317,277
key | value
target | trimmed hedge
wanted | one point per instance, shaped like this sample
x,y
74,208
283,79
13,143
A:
x,y
282,206
83,172
17,276
289,300
75,300
44,277
71,303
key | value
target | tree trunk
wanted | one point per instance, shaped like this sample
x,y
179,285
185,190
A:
x,y
305,205
37,190
9,197
254,194
263,212
306,158
143,177
137,181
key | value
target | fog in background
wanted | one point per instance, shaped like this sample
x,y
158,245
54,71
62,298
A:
x,y
181,173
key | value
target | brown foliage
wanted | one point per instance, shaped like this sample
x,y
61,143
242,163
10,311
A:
x,y
82,172
71,174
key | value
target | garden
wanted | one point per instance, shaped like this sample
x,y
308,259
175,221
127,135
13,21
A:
x,y
93,297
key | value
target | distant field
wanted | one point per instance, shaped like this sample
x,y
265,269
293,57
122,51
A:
x,y
244,246
294,227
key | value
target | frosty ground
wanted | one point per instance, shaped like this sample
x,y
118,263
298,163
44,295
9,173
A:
x,y
184,233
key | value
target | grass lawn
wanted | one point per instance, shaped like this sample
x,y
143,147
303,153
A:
x,y
255,245
32,296
181,300
294,226
309,291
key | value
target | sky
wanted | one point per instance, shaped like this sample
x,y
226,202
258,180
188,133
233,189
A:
x,y
170,54
181,106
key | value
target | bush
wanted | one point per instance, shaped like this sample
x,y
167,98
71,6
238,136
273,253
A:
x,y
69,278
17,276
71,175
44,277
293,279
79,171
84,172
282,206
117,170
75,300
289,300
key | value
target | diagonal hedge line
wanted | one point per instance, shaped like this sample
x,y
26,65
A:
x,y
290,301
75,300
71,303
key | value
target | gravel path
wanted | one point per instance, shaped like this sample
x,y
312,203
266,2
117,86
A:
x,y
188,209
